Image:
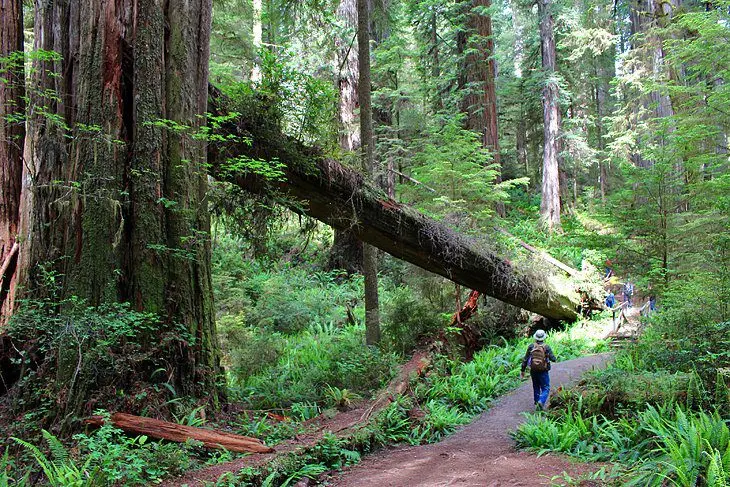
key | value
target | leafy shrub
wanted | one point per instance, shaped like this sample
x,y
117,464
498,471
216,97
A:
x,y
107,457
314,361
407,319
67,346
249,350
664,444
615,391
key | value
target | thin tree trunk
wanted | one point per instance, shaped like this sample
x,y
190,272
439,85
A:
x,y
257,32
12,137
550,204
370,253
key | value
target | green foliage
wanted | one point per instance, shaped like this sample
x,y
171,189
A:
x,y
111,348
314,363
106,457
662,444
408,319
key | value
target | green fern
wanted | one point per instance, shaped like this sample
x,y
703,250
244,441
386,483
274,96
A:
x,y
61,473
59,453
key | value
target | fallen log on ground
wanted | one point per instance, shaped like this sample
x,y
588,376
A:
x,y
155,428
414,367
340,197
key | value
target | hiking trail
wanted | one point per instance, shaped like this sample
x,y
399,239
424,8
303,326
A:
x,y
479,454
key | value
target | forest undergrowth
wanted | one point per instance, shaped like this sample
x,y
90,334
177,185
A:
x,y
292,339
659,414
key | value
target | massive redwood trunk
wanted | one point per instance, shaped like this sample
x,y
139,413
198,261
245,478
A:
x,y
480,103
341,198
114,203
550,203
12,135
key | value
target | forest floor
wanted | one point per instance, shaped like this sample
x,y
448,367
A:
x,y
480,454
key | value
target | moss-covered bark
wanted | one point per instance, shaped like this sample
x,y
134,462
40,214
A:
x,y
115,201
340,197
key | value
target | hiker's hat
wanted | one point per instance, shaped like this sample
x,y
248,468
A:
x,y
540,335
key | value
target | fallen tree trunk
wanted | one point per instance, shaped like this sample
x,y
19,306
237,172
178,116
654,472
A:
x,y
155,428
414,367
338,196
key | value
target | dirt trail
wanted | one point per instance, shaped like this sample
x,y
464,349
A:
x,y
481,454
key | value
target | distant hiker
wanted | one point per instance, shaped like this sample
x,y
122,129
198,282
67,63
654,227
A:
x,y
610,300
628,292
610,303
538,358
609,269
652,299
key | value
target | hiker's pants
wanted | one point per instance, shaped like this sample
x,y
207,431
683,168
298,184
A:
x,y
540,386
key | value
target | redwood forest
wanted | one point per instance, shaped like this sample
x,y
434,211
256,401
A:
x,y
364,243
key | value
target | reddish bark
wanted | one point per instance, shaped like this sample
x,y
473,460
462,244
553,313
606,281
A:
x,y
12,136
165,430
470,308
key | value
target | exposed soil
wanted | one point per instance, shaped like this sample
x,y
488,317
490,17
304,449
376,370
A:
x,y
481,454
314,430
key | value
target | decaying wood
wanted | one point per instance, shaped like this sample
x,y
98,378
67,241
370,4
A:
x,y
469,333
338,196
414,367
155,428
469,309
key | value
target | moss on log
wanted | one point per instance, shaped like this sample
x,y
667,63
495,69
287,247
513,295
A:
x,y
340,197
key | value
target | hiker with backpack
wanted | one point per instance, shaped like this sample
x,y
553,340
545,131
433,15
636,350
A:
x,y
538,358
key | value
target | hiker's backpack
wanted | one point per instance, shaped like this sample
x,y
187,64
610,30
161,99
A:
x,y
538,358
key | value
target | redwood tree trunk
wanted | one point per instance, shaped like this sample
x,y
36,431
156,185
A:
x,y
12,135
550,204
118,210
347,251
370,253
480,103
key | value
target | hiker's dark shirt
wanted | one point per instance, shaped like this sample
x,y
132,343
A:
x,y
548,354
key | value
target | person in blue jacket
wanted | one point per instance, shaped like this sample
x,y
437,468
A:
x,y
538,358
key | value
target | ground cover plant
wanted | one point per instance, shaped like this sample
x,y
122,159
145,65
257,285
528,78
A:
x,y
660,413
450,395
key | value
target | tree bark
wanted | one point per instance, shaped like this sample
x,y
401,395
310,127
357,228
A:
x,y
138,425
480,102
115,204
12,136
370,253
550,204
341,198
347,251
